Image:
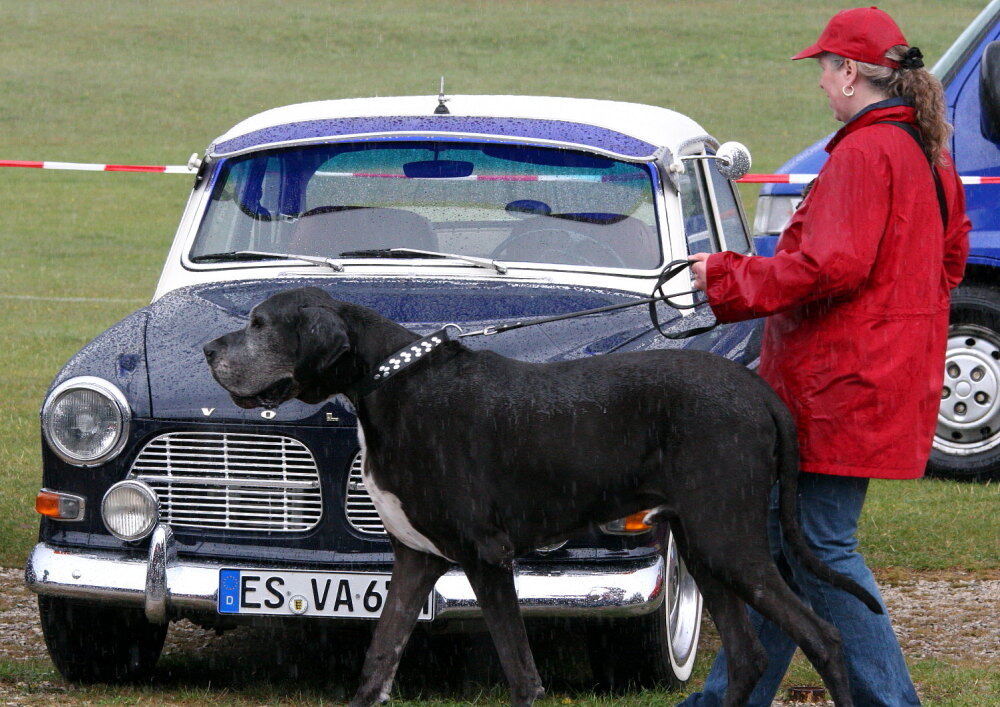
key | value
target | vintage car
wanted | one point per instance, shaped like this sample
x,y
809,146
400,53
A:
x,y
162,499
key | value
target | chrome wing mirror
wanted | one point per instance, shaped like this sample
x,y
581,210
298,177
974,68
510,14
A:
x,y
732,159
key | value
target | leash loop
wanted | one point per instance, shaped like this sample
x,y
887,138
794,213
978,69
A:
x,y
659,295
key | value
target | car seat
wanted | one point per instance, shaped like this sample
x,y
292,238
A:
x,y
330,231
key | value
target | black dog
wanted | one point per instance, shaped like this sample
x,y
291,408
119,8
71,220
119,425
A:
x,y
475,458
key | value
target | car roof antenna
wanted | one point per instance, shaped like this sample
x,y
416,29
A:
x,y
442,109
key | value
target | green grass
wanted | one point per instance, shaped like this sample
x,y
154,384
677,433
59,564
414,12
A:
x,y
931,525
152,82
191,680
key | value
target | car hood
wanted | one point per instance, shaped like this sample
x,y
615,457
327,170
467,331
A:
x,y
183,321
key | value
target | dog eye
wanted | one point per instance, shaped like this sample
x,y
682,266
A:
x,y
256,322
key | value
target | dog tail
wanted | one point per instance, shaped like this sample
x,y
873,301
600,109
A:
x,y
787,454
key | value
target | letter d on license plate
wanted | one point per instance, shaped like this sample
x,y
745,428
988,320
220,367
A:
x,y
345,594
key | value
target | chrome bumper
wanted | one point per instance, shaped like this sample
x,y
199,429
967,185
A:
x,y
166,586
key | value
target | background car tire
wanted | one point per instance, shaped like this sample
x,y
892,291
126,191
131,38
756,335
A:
x,y
91,643
967,447
656,649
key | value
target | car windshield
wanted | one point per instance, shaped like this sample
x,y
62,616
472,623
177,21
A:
x,y
512,203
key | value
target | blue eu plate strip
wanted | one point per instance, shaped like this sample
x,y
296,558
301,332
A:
x,y
229,591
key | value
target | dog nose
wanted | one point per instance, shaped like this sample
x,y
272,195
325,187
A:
x,y
211,349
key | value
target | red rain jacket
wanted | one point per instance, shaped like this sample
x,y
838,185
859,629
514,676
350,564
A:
x,y
858,293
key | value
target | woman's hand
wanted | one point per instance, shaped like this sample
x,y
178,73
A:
x,y
699,268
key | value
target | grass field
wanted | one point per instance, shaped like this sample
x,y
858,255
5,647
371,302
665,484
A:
x,y
152,82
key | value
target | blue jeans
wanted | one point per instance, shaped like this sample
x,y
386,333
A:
x,y
829,508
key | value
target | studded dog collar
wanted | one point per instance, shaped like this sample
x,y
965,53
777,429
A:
x,y
405,358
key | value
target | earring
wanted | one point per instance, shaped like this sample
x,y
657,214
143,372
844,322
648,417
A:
x,y
843,90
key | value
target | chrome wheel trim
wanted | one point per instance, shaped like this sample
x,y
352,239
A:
x,y
682,605
969,414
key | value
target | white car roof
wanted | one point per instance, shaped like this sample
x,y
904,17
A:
x,y
666,130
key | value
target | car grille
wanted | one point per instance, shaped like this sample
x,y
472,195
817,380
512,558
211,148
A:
x,y
232,481
358,506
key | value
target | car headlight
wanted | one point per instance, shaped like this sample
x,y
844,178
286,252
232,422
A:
x,y
130,510
774,211
85,421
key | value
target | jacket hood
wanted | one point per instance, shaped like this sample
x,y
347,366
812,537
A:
x,y
183,321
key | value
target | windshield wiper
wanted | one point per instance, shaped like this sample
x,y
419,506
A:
x,y
415,253
262,255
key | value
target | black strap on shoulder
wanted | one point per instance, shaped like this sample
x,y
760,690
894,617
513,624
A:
x,y
912,131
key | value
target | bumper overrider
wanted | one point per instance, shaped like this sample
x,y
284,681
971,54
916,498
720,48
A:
x,y
167,586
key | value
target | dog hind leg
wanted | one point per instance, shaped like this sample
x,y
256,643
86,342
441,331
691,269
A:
x,y
741,561
819,640
746,658
413,576
494,588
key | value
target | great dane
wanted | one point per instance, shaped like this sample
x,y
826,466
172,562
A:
x,y
473,458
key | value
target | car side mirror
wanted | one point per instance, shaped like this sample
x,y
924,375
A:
x,y
989,92
733,160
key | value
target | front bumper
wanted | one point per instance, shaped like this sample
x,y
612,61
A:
x,y
166,586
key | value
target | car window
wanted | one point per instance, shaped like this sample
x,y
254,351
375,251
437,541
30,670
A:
x,y
734,234
695,208
509,202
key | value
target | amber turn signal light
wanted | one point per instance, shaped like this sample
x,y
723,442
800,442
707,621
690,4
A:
x,y
59,506
627,526
634,524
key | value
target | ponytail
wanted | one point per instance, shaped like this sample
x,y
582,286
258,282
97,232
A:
x,y
911,80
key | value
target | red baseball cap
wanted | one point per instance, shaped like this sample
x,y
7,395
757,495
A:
x,y
863,34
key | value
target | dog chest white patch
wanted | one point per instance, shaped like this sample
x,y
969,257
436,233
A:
x,y
390,510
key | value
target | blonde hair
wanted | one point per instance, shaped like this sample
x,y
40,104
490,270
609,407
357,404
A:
x,y
919,85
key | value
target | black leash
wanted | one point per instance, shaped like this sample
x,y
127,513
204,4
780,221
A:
x,y
672,269
410,354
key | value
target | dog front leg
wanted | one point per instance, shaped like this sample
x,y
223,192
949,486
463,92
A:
x,y
494,588
413,576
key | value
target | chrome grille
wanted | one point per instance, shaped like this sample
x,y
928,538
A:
x,y
232,481
360,510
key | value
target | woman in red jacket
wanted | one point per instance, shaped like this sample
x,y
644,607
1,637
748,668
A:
x,y
857,296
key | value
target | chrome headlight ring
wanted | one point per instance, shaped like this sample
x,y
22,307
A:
x,y
107,390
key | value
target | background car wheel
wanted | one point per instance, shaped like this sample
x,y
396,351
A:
x,y
658,648
93,643
967,440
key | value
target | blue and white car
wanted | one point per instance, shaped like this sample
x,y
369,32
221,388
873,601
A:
x,y
162,499
967,443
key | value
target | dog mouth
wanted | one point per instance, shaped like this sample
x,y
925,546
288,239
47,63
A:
x,y
270,397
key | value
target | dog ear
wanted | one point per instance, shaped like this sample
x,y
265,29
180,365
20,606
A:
x,y
322,340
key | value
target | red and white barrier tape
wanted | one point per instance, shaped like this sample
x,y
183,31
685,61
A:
x,y
84,167
184,169
806,178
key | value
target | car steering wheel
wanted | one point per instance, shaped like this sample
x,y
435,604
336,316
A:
x,y
571,250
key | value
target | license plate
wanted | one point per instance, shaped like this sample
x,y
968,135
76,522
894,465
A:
x,y
333,594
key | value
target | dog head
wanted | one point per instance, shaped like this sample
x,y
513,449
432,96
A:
x,y
294,346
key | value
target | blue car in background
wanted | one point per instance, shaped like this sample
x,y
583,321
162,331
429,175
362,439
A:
x,y
967,441
162,499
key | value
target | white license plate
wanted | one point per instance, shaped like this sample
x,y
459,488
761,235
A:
x,y
344,594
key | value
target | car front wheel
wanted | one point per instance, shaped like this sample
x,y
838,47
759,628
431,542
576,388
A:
x,y
92,643
967,440
658,648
